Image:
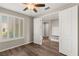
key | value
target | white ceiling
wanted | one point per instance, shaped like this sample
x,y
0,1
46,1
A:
x,y
18,7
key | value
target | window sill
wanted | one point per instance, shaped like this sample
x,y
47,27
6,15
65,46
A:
x,y
6,40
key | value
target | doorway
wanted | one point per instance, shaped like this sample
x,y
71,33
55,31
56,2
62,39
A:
x,y
45,29
51,32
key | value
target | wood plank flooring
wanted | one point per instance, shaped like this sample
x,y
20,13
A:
x,y
48,48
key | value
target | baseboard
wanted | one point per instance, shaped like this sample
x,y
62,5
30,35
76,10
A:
x,y
54,40
29,42
14,46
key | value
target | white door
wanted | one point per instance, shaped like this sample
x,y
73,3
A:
x,y
68,31
65,41
38,31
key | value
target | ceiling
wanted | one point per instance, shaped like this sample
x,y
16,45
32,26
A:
x,y
18,7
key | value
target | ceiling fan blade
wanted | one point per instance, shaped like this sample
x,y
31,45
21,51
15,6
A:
x,y
25,9
34,10
40,5
25,3
47,8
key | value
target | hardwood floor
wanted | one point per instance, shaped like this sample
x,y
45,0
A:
x,y
49,48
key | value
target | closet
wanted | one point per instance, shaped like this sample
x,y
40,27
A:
x,y
68,27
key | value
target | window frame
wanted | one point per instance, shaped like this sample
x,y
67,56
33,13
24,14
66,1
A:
x,y
14,38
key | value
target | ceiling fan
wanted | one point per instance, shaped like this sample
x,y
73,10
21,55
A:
x,y
32,6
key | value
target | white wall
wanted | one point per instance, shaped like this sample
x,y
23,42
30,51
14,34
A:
x,y
55,27
38,30
54,30
46,29
28,34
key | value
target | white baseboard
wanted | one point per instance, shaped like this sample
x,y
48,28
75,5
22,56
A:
x,y
54,40
14,46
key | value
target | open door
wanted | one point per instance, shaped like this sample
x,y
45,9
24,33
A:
x,y
38,31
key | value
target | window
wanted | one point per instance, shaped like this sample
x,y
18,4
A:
x,y
21,28
11,27
16,27
3,27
